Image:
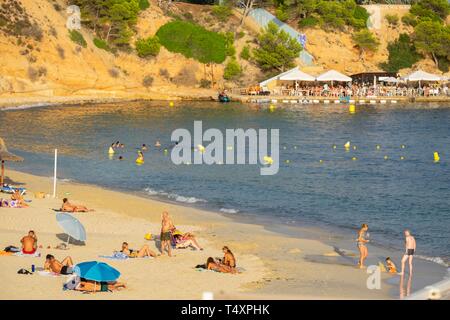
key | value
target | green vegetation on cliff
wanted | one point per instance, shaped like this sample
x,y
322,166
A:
x,y
277,50
193,41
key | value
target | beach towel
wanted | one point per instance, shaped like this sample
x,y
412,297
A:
x,y
120,256
33,255
115,256
6,253
46,273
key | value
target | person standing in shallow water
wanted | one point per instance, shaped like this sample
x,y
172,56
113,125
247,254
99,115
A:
x,y
361,243
166,233
410,249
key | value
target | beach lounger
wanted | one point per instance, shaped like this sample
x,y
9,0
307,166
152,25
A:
x,y
11,190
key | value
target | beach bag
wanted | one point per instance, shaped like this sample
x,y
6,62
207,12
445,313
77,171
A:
x,y
71,283
12,249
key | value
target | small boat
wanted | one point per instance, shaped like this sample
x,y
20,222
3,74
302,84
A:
x,y
224,98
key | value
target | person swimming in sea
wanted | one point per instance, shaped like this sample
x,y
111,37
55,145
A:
x,y
140,158
144,147
157,144
120,158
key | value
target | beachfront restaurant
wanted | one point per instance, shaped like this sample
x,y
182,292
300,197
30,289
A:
x,y
372,77
295,82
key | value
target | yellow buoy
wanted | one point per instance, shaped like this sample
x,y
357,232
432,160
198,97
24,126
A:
x,y
347,145
436,157
111,150
200,148
354,158
402,158
378,147
165,150
320,161
352,108
354,147
271,107
268,160
288,161
148,236
171,104
334,146
403,146
386,157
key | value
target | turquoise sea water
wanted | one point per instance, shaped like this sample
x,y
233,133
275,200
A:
x,y
339,193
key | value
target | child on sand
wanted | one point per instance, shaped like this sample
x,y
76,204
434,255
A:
x,y
390,266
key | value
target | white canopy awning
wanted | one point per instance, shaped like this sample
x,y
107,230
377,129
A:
x,y
422,76
289,75
296,75
389,79
333,75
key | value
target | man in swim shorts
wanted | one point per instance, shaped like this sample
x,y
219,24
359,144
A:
x,y
166,233
63,267
29,243
410,249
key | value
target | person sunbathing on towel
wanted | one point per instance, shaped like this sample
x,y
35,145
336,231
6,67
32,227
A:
x,y
212,265
29,243
185,240
17,196
53,265
143,252
92,286
68,207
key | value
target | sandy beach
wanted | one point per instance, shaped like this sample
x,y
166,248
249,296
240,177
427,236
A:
x,y
276,266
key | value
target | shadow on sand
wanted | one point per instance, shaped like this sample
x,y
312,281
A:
x,y
63,237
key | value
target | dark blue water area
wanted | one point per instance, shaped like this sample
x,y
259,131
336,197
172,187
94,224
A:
x,y
389,194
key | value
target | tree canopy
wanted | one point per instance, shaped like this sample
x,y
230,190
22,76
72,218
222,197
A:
x,y
277,50
193,41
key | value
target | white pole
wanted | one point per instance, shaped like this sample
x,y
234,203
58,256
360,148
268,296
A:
x,y
54,176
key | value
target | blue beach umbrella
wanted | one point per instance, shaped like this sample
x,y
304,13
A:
x,y
96,271
71,226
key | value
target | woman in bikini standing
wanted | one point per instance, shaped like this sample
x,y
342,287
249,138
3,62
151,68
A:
x,y
361,243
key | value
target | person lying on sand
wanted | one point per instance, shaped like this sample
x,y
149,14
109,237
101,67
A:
x,y
53,265
185,240
68,207
218,267
143,252
29,243
92,286
17,196
390,266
